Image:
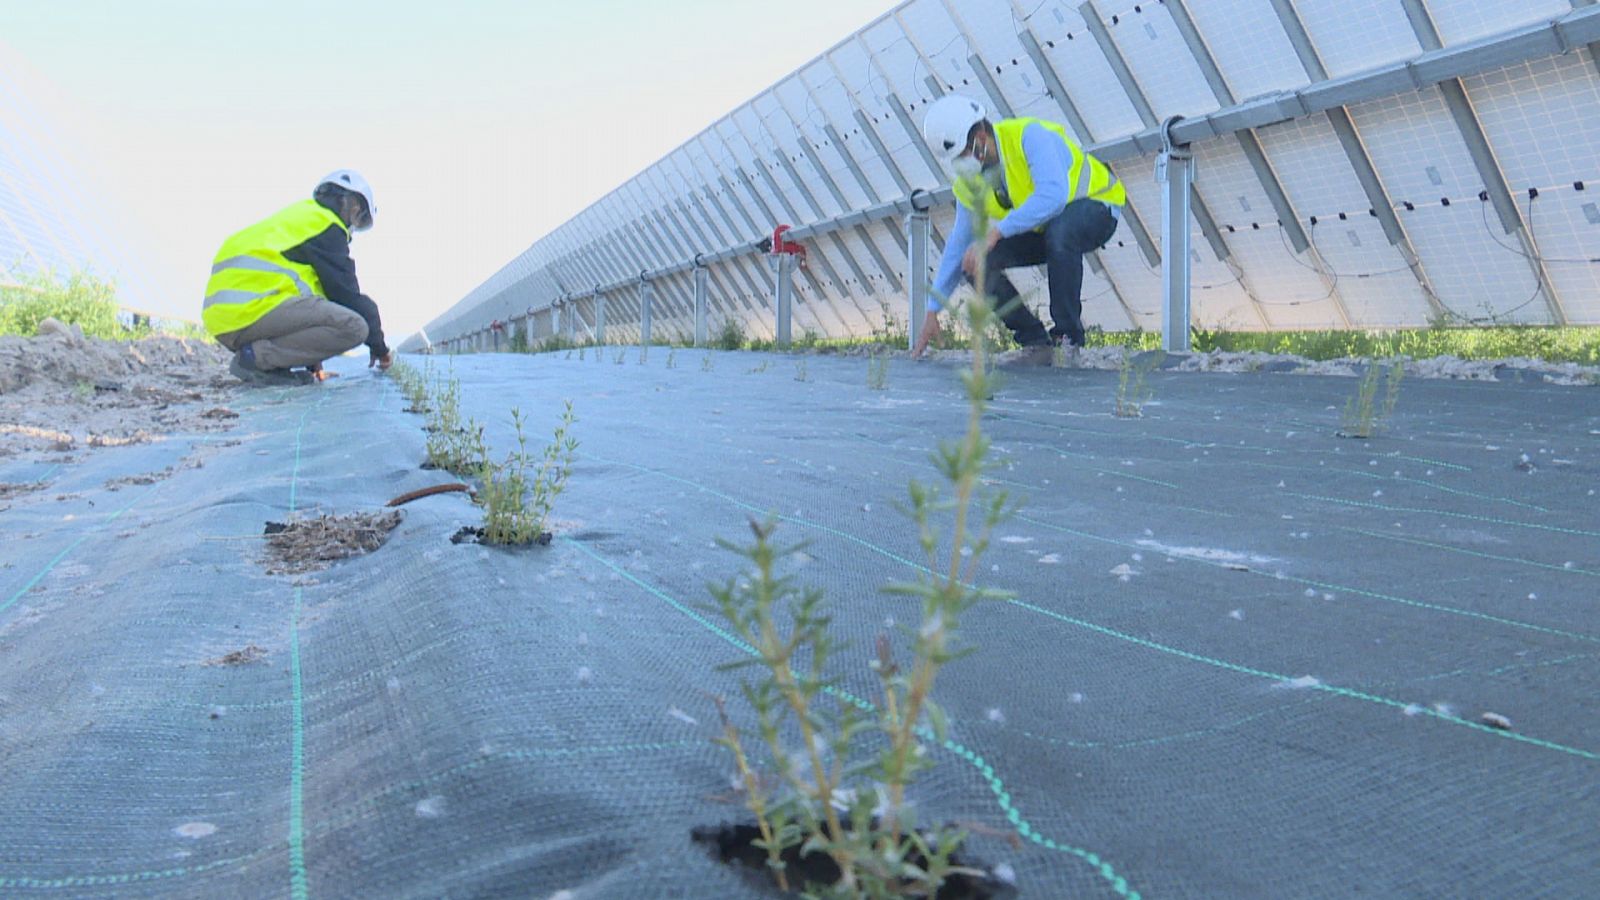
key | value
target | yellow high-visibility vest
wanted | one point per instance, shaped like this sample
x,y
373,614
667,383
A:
x,y
250,275
1088,177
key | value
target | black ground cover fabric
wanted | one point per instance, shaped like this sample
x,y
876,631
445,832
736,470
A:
x,y
1245,657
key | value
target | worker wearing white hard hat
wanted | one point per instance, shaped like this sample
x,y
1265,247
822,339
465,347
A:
x,y
1046,200
283,293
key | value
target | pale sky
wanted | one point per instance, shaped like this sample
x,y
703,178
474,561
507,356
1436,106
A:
x,y
482,124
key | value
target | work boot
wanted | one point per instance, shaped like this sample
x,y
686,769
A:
x,y
243,367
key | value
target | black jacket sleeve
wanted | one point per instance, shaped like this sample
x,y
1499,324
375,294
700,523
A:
x,y
329,254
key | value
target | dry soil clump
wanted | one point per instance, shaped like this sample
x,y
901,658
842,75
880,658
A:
x,y
310,545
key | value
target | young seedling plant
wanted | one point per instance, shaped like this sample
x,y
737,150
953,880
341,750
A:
x,y
878,371
1364,413
842,794
1132,391
518,494
800,373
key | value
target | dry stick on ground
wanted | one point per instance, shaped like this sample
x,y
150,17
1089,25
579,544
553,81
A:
x,y
419,493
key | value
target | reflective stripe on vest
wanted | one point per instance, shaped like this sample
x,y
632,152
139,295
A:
x,y
1087,177
251,277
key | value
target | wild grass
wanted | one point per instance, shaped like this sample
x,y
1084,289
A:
x,y
878,371
1551,344
1364,413
78,298
1133,391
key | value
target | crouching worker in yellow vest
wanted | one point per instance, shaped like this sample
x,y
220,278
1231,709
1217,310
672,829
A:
x,y
283,293
1047,201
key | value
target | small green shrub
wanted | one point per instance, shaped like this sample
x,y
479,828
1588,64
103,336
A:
x,y
800,373
731,337
516,502
453,445
707,363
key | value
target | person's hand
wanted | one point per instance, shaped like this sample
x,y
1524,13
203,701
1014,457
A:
x,y
382,362
992,239
969,262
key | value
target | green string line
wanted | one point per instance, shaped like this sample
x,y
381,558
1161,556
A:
x,y
298,877
1180,653
111,517
34,581
1440,512
1332,689
1465,552
1118,883
1369,475
297,848
1433,462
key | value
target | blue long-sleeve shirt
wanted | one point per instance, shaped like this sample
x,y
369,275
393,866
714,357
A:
x,y
1049,162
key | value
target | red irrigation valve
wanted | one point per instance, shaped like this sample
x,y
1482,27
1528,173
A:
x,y
777,244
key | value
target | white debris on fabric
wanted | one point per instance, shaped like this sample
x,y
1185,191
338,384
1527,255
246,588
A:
x,y
682,716
1050,559
1124,570
1016,539
1138,557
584,675
1004,873
195,830
1413,709
1445,709
583,639
1207,554
996,716
1074,697
1299,684
1495,720
430,808
1237,615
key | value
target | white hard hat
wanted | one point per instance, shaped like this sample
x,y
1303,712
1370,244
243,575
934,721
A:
x,y
947,123
351,180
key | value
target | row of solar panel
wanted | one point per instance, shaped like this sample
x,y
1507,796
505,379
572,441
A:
x,y
840,135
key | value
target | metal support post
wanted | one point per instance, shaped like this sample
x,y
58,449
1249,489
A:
x,y
599,318
917,264
701,301
647,296
1175,169
784,293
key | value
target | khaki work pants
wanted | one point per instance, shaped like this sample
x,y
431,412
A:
x,y
302,331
